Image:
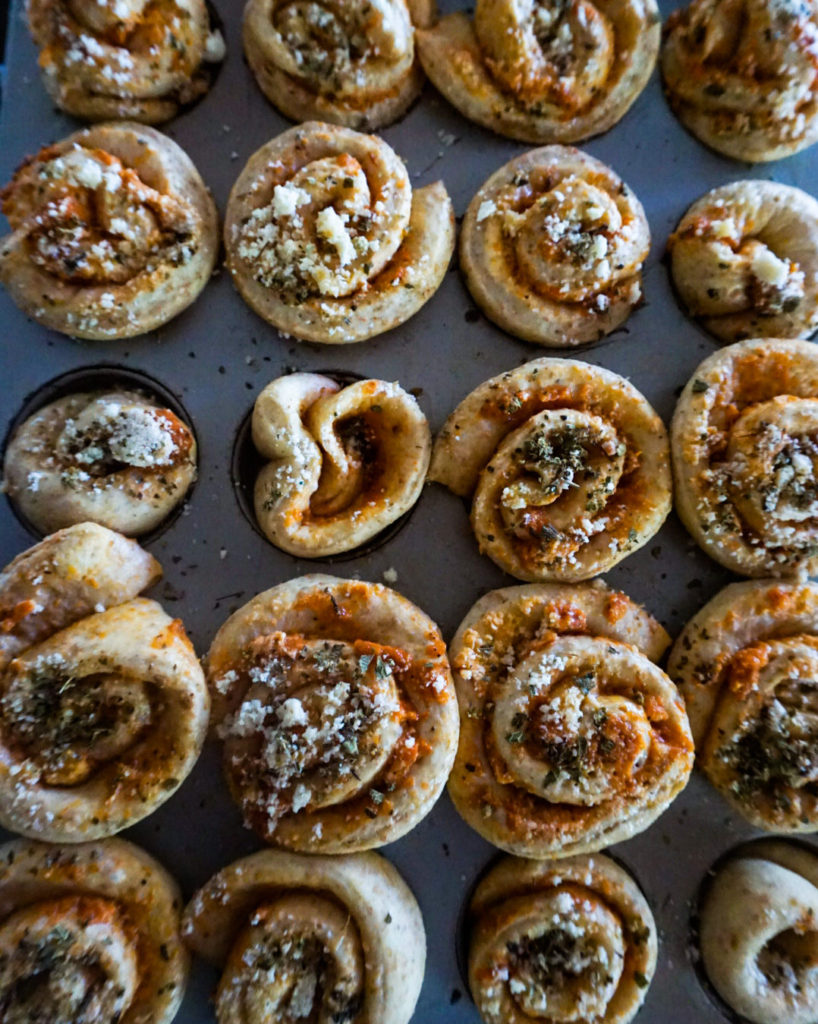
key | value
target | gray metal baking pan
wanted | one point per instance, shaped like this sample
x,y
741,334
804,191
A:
x,y
217,356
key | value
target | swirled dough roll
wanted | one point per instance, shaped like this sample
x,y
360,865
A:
x,y
744,441
327,240
746,665
318,938
335,701
568,942
759,933
344,462
103,704
89,933
741,75
139,60
113,233
571,738
113,457
744,261
552,247
567,464
542,70
348,62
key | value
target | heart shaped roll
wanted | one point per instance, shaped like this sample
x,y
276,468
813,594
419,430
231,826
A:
x,y
315,938
744,441
88,933
567,942
139,60
344,462
571,737
746,665
113,233
337,710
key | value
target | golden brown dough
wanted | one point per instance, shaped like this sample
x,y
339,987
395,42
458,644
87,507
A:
x,y
344,462
113,233
113,457
744,441
89,933
567,464
741,75
344,936
327,240
747,666
544,71
335,701
348,62
573,941
744,260
571,738
552,247
136,60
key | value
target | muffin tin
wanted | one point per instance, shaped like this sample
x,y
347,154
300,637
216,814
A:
x,y
215,358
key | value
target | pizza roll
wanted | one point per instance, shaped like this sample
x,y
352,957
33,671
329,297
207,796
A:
x,y
113,457
567,464
744,441
113,233
552,248
138,60
344,462
310,938
103,704
573,941
337,709
544,72
741,75
746,666
327,240
571,738
759,933
88,933
744,261
354,64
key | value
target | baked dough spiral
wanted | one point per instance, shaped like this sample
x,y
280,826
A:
x,y
571,738
113,233
568,466
544,70
744,441
567,943
327,240
759,933
347,62
742,75
138,60
310,938
103,709
335,701
552,247
344,462
746,665
112,457
744,260
89,933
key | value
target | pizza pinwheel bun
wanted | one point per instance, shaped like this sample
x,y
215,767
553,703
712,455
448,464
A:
x,y
344,936
567,466
344,462
134,60
543,73
335,702
88,933
571,737
327,240
113,233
